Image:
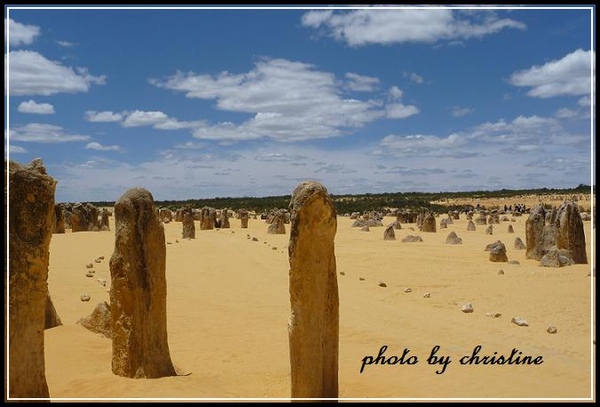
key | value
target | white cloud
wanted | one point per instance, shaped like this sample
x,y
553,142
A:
x,y
20,34
584,101
142,118
32,74
66,44
97,146
388,26
395,93
43,133
361,83
458,111
35,108
570,75
400,111
413,77
566,113
421,145
291,101
106,116
17,149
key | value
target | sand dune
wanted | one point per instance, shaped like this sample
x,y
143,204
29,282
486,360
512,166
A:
x,y
228,305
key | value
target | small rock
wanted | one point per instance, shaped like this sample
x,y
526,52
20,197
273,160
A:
x,y
519,321
361,278
342,273
426,295
408,290
169,243
467,308
89,274
89,265
176,241
382,284
274,248
500,271
97,261
101,258
493,314
255,239
102,282
85,297
513,262
552,329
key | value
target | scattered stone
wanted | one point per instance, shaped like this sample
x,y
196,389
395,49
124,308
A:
x,y
412,238
467,308
519,321
382,284
102,282
255,239
453,238
471,226
493,314
389,233
85,297
361,278
89,265
513,262
426,295
408,290
342,273
89,274
489,230
498,252
274,248
99,321
510,229
552,329
519,245
501,272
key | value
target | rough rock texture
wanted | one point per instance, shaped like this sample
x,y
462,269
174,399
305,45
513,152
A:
x,y
511,229
84,217
498,252
277,226
165,215
189,228
389,233
244,216
59,220
519,245
412,238
471,226
31,213
570,234
489,230
314,321
534,229
225,219
555,257
428,222
51,318
207,218
453,238
104,216
99,321
138,292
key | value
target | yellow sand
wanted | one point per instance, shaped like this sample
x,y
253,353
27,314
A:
x,y
228,306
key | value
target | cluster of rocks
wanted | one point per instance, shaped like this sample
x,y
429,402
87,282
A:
x,y
556,237
80,217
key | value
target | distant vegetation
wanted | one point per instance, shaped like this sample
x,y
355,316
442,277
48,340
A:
x,y
365,202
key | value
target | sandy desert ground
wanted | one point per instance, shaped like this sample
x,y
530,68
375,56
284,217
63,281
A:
x,y
228,305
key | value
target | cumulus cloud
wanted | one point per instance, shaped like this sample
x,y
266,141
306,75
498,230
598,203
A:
x,y
20,34
413,77
141,118
106,116
290,101
570,75
43,133
400,111
99,147
32,74
361,83
35,108
388,26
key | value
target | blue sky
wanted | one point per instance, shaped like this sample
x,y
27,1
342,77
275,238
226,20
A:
x,y
201,103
